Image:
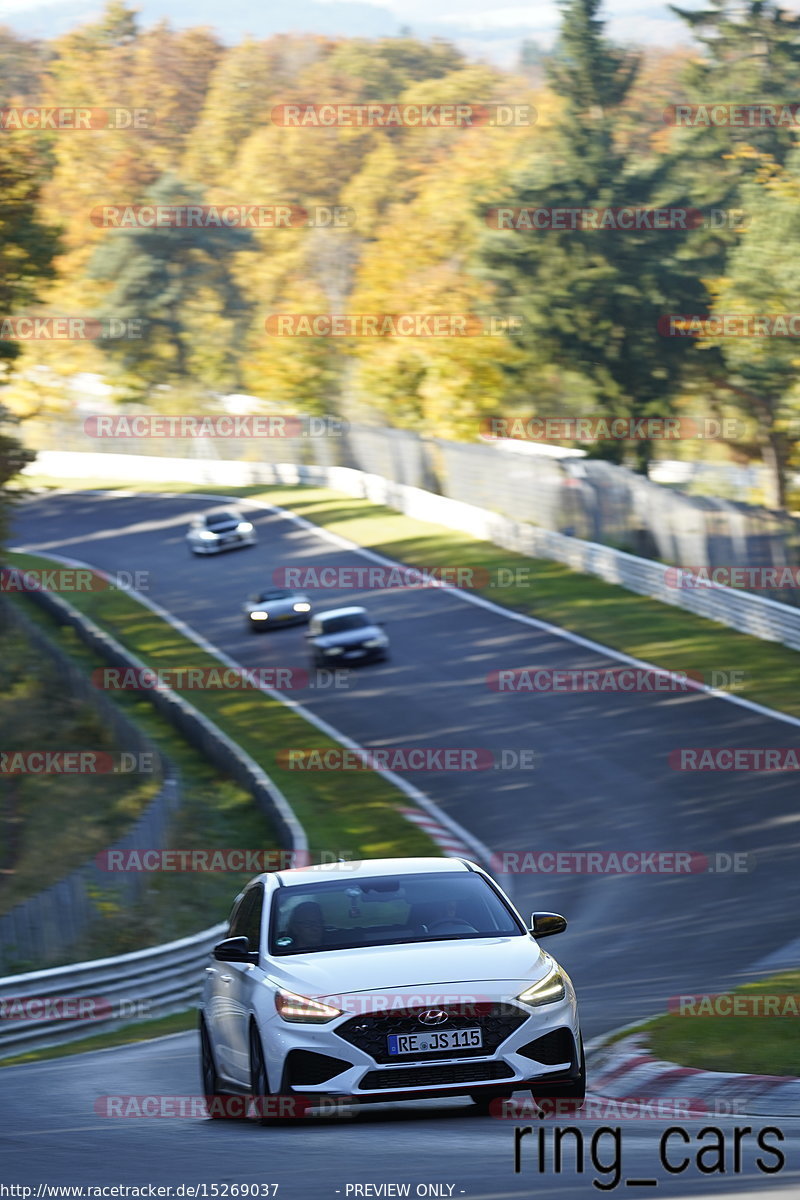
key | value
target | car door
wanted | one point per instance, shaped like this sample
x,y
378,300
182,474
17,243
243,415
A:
x,y
222,991
244,977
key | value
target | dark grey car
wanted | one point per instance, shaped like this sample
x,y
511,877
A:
x,y
346,636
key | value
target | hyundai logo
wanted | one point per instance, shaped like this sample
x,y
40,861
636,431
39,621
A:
x,y
433,1016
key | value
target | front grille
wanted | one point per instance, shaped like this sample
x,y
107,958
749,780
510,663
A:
x,y
555,1047
422,1077
370,1032
306,1067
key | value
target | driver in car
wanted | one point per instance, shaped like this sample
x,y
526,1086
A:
x,y
306,927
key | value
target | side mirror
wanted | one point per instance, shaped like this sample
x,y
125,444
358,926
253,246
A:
x,y
543,924
236,949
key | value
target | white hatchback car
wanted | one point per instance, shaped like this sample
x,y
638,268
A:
x,y
387,979
212,532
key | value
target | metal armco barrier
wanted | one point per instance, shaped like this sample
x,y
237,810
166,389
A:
x,y
195,727
52,921
65,1004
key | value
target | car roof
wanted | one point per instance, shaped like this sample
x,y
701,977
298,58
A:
x,y
341,612
365,868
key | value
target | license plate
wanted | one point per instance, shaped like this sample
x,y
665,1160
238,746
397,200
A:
x,y
285,617
354,653
451,1039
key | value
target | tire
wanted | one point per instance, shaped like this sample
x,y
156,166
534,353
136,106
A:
x,y
259,1080
572,1093
209,1079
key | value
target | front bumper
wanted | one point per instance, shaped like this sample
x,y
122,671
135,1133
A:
x,y
521,1046
353,657
275,622
206,546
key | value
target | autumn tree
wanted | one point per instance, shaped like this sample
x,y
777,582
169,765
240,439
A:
x,y
590,299
761,278
180,284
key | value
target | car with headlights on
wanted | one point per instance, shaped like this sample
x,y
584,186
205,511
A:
x,y
277,606
212,532
346,635
387,979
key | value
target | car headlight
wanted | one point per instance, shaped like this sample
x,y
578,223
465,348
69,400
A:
x,y
378,641
333,650
259,616
301,606
208,535
244,527
549,989
291,1007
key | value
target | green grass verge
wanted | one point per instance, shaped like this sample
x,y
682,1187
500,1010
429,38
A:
x,y
142,1031
757,1045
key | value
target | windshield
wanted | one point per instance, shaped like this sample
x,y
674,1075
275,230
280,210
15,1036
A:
x,y
386,910
274,594
223,518
340,624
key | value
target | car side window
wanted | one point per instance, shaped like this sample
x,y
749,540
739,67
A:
x,y
251,924
239,916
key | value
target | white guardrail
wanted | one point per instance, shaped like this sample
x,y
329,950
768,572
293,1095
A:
x,y
65,1004
744,611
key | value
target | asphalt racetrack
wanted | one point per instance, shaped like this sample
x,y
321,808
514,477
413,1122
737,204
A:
x,y
602,781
